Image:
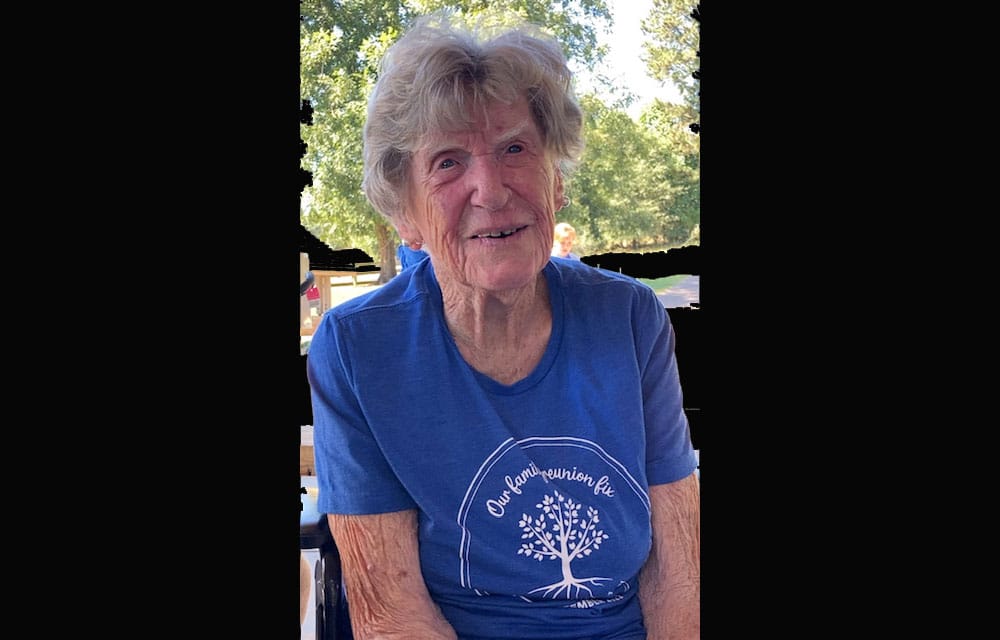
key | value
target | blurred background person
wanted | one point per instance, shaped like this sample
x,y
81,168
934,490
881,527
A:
x,y
564,237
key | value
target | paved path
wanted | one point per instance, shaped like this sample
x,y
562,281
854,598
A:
x,y
681,294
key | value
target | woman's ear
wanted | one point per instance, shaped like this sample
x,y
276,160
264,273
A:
x,y
406,231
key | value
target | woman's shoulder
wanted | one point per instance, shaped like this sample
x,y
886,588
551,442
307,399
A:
x,y
590,287
575,273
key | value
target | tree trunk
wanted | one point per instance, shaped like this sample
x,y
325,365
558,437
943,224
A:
x,y
566,571
386,252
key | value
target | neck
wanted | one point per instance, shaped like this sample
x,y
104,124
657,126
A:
x,y
490,319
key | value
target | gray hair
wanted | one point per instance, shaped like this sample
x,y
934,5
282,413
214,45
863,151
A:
x,y
439,75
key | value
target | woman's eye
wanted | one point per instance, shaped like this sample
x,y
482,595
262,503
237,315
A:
x,y
515,148
446,164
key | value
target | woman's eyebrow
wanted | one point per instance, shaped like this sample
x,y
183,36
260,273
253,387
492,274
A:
x,y
515,131
433,150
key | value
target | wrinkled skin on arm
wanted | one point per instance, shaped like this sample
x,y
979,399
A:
x,y
670,581
386,594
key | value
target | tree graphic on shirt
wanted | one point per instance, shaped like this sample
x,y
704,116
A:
x,y
569,538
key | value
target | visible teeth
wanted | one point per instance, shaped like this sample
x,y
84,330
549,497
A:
x,y
497,234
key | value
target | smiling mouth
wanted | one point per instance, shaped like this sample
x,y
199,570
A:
x,y
500,234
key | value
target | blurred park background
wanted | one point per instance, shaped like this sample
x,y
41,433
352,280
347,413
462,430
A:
x,y
637,187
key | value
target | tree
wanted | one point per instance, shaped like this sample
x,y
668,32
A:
x,y
569,539
341,44
634,184
679,167
674,50
638,184
674,159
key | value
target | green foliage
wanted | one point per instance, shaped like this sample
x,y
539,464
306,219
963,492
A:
x,y
340,45
676,40
637,183
679,166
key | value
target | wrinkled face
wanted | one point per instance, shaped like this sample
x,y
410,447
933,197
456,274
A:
x,y
483,201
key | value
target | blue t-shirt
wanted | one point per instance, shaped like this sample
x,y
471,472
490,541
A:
x,y
408,257
533,501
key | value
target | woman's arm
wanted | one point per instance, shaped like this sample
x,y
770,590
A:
x,y
385,590
670,581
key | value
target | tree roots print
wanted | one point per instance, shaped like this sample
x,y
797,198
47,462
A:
x,y
569,538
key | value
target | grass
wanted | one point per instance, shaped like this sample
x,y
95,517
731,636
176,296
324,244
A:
x,y
659,284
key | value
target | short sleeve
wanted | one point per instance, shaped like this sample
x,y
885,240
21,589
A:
x,y
352,473
670,455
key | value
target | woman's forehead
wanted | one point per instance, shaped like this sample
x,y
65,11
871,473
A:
x,y
496,123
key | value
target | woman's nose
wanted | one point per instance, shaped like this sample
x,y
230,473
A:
x,y
486,178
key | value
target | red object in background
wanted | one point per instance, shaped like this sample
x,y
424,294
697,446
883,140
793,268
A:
x,y
312,293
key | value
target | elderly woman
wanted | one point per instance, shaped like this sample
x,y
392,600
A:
x,y
501,447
